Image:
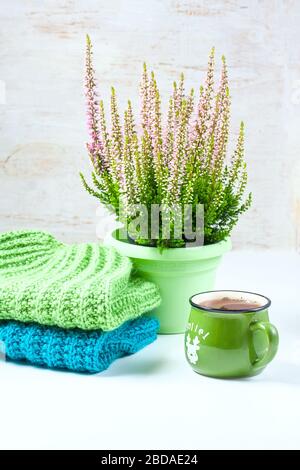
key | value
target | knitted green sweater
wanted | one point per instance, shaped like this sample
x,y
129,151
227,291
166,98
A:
x,y
86,286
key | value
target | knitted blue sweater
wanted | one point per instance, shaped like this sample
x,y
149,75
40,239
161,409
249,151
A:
x,y
76,350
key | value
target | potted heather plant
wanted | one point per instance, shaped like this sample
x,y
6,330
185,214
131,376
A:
x,y
171,164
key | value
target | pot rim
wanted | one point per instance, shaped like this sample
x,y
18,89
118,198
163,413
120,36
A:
x,y
232,312
168,254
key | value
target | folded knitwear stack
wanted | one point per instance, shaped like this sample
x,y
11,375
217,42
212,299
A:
x,y
76,307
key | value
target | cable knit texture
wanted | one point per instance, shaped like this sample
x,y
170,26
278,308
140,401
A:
x,y
85,286
76,350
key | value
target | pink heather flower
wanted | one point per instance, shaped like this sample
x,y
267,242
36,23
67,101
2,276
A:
x,y
177,165
165,162
154,128
116,139
182,161
144,92
203,124
95,147
168,134
222,116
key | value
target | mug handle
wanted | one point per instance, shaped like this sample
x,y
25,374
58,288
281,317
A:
x,y
271,333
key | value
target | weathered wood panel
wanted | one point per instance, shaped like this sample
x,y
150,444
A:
x,y
42,121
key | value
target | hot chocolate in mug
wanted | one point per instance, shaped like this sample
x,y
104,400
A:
x,y
229,334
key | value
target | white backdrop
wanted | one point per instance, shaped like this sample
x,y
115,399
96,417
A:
x,y
42,114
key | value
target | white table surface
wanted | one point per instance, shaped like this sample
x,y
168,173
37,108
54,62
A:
x,y
153,400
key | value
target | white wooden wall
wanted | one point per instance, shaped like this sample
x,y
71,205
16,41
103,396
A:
x,y
42,113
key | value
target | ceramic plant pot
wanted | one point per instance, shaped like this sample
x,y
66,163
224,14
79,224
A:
x,y
178,272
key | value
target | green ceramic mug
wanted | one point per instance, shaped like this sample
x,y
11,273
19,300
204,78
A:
x,y
224,343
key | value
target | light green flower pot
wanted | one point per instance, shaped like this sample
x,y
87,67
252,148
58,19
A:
x,y
178,272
